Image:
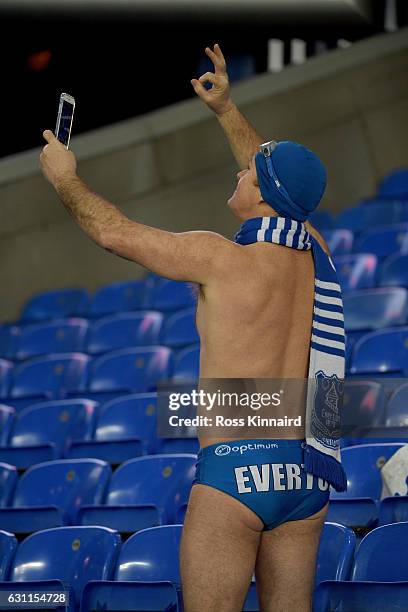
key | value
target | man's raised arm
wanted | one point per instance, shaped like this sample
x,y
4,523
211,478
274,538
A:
x,y
187,256
242,137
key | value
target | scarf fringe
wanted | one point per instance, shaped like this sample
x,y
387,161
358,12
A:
x,y
323,466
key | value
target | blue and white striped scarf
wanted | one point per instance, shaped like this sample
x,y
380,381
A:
x,y
327,348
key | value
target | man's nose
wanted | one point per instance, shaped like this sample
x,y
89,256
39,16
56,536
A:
x,y
241,173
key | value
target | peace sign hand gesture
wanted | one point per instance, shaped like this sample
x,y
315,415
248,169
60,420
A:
x,y
218,98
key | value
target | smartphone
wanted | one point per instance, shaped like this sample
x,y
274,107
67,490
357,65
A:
x,y
64,118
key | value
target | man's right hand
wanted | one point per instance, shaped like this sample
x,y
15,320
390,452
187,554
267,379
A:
x,y
218,98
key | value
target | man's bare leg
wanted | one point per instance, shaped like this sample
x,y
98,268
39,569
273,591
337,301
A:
x,y
218,551
285,567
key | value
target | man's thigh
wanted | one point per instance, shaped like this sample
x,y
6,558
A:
x,y
218,551
285,567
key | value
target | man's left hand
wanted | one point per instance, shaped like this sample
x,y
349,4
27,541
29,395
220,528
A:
x,y
56,162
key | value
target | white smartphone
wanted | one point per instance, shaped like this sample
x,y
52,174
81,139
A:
x,y
65,118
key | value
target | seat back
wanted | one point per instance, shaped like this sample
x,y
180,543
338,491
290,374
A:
x,y
362,465
336,553
162,480
131,369
363,405
150,555
130,416
61,336
8,545
395,185
6,370
56,304
382,241
380,352
339,241
187,364
74,555
180,329
52,376
67,484
394,271
370,309
8,480
119,297
170,295
66,420
372,213
382,555
397,408
125,330
7,415
356,271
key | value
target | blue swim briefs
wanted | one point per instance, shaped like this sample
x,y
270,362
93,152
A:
x,y
265,475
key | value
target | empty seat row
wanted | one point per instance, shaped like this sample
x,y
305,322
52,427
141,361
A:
x,y
360,505
379,576
145,491
120,429
153,293
75,374
101,573
127,426
123,330
381,242
363,271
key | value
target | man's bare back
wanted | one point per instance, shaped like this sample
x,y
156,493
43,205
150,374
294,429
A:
x,y
256,322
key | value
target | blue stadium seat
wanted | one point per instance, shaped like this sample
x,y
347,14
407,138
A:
x,y
124,330
380,561
383,241
382,555
394,271
187,363
397,407
371,309
393,509
180,329
8,340
50,494
119,297
50,377
395,185
358,506
33,442
126,428
361,597
8,480
356,271
380,352
339,241
373,213
336,553
170,295
7,415
363,406
144,491
64,557
6,368
56,304
127,370
8,545
151,557
178,445
321,220
59,336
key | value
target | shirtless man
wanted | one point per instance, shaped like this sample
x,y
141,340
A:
x,y
254,319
